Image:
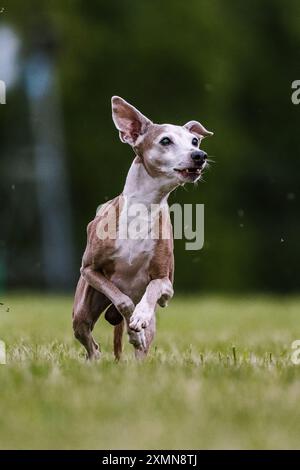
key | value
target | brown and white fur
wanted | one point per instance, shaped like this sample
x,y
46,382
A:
x,y
129,277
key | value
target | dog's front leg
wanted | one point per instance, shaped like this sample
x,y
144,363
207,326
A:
x,y
98,281
157,291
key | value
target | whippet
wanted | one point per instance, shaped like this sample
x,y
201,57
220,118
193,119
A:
x,y
128,276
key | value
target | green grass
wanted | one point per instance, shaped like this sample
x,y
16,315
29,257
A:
x,y
192,392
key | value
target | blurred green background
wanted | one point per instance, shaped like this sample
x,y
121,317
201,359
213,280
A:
x,y
228,64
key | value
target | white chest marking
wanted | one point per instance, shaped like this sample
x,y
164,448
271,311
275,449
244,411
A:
x,y
134,242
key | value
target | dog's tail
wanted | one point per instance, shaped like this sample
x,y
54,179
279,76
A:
x,y
118,335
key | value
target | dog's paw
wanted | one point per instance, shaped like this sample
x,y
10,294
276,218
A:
x,y
163,301
137,339
94,356
125,306
140,319
166,296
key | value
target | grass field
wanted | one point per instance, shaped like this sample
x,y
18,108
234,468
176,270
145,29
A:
x,y
219,376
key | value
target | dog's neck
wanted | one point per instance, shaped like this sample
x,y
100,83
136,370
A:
x,y
141,188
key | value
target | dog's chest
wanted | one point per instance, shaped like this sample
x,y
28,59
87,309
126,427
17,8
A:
x,y
134,249
132,260
134,253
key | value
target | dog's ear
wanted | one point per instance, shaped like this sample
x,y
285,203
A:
x,y
128,120
196,128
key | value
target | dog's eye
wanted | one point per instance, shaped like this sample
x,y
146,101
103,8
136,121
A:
x,y
195,142
165,141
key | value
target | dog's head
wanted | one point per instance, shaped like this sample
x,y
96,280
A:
x,y
165,149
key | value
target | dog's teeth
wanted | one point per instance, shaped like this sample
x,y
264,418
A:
x,y
193,171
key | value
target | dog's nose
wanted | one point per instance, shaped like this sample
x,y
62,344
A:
x,y
199,156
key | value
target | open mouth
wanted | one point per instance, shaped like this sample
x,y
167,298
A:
x,y
189,173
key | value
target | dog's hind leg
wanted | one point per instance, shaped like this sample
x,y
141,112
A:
x,y
118,335
88,306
